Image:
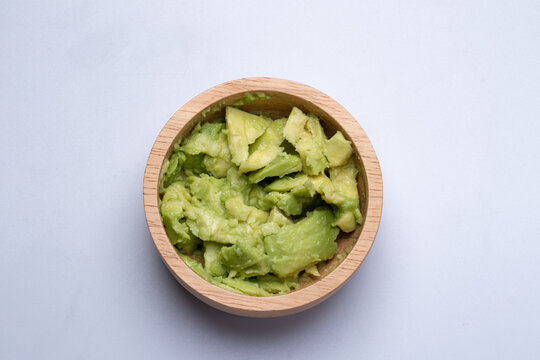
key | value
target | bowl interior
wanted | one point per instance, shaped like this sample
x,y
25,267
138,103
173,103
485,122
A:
x,y
277,105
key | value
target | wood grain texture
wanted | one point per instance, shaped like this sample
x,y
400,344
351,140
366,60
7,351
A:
x,y
284,94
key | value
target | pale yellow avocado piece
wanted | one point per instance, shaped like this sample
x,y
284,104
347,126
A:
x,y
313,270
209,226
324,186
216,166
276,216
344,181
266,148
311,146
243,129
269,228
239,210
346,221
338,150
307,136
212,258
313,126
260,158
272,137
295,126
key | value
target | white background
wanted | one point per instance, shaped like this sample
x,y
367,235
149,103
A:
x,y
448,92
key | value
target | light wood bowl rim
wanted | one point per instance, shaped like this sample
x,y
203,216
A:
x,y
295,301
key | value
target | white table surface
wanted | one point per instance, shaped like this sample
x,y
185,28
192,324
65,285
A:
x,y
448,92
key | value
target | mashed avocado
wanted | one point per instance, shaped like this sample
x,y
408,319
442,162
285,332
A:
x,y
251,204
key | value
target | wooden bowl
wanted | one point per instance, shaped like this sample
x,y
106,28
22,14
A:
x,y
274,97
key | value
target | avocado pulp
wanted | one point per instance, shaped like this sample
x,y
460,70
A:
x,y
252,204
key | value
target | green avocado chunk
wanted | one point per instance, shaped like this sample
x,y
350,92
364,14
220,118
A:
x,y
266,148
307,136
173,205
246,258
210,139
299,185
275,285
286,201
193,164
248,287
254,205
338,150
209,226
243,129
298,246
295,126
277,217
207,190
344,181
287,183
212,259
283,164
199,269
172,170
250,214
216,166
324,186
